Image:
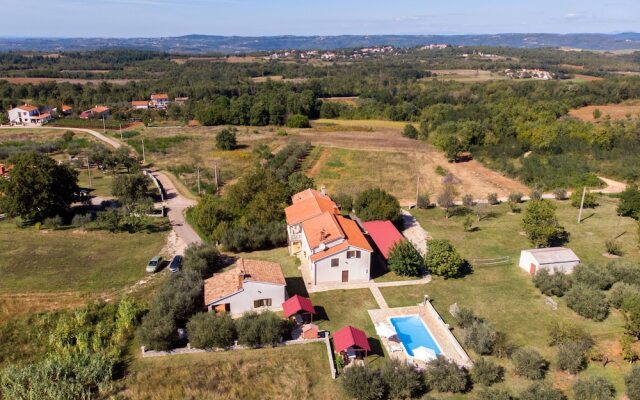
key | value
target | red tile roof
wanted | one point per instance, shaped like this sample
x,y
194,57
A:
x,y
231,281
297,303
159,96
137,103
324,228
27,107
99,109
308,204
384,235
350,337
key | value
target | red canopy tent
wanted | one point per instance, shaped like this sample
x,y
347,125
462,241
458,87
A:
x,y
350,337
297,303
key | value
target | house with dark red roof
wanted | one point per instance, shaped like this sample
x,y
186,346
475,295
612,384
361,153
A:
x,y
384,235
351,342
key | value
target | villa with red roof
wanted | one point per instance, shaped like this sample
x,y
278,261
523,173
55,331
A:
x,y
28,115
332,247
248,285
159,100
96,112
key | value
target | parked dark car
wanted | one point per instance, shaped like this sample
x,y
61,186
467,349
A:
x,y
175,264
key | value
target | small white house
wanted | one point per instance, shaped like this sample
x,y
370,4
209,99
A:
x,y
248,285
553,259
28,115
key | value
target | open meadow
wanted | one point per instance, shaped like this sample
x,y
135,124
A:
x,y
615,111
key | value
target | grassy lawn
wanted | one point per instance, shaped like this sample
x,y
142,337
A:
x,y
70,261
294,372
505,295
100,182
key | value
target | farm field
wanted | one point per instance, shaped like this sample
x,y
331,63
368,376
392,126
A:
x,y
615,111
72,261
464,75
293,372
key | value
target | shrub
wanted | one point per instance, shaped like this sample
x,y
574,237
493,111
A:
x,y
445,376
541,225
206,330
446,198
467,201
281,132
410,131
401,381
594,388
503,347
486,372
362,383
493,394
202,258
565,333
344,201
480,336
631,311
627,273
467,223
492,198
535,195
560,194
572,357
515,197
264,329
541,391
552,284
158,330
79,220
405,260
629,205
632,381
378,205
423,202
529,363
298,121
619,292
590,199
626,349
226,139
52,223
440,170
443,260
465,317
613,247
587,302
594,275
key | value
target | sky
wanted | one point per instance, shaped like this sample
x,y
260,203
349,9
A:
x,y
155,18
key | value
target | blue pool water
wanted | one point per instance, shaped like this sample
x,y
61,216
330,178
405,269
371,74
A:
x,y
413,334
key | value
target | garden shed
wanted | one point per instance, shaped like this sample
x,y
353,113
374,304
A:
x,y
553,259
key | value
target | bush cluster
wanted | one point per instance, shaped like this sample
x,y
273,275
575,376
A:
x,y
393,381
442,259
405,260
555,284
587,302
529,363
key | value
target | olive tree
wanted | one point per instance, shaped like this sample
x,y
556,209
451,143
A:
x,y
405,260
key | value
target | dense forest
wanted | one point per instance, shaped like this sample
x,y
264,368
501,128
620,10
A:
x,y
520,127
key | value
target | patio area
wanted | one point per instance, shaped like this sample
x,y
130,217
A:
x,y
439,330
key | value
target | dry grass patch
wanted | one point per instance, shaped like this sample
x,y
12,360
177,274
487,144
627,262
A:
x,y
615,111
22,80
464,75
294,372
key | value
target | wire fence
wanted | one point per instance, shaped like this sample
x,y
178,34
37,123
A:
x,y
491,261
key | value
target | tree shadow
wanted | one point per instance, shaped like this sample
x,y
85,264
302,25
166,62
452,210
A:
x,y
587,217
376,349
321,314
378,266
295,285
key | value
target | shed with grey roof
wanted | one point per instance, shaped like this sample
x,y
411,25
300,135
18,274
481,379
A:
x,y
553,259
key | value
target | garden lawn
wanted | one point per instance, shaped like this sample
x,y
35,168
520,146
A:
x,y
292,372
101,182
72,260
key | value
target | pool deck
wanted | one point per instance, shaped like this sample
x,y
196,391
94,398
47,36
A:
x,y
440,331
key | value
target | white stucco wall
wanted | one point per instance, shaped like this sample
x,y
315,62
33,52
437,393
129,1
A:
x,y
526,259
243,300
359,268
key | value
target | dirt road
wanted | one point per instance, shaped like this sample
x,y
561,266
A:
x,y
175,202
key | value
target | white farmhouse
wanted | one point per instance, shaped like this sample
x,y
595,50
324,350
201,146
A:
x,y
28,115
553,259
332,248
248,285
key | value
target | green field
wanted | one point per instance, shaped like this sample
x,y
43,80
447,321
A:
x,y
101,182
293,372
72,260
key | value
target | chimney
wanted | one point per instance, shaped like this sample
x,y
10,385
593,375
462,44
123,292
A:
x,y
240,279
323,190
323,234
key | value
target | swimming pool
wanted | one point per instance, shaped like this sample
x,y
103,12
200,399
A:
x,y
413,333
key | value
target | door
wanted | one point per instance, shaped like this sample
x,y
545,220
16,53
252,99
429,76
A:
x,y
532,269
345,276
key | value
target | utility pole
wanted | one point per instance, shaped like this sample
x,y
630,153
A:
x,y
89,172
199,181
104,125
584,192
120,132
418,191
144,159
215,171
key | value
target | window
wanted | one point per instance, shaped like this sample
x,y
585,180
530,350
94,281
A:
x,y
262,303
335,262
353,254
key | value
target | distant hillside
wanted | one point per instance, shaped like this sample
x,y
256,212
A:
x,y
236,44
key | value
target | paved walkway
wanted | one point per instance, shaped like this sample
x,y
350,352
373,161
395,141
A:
x,y
382,303
414,233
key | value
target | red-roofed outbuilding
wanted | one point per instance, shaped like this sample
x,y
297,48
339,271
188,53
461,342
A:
x,y
351,338
384,234
296,304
